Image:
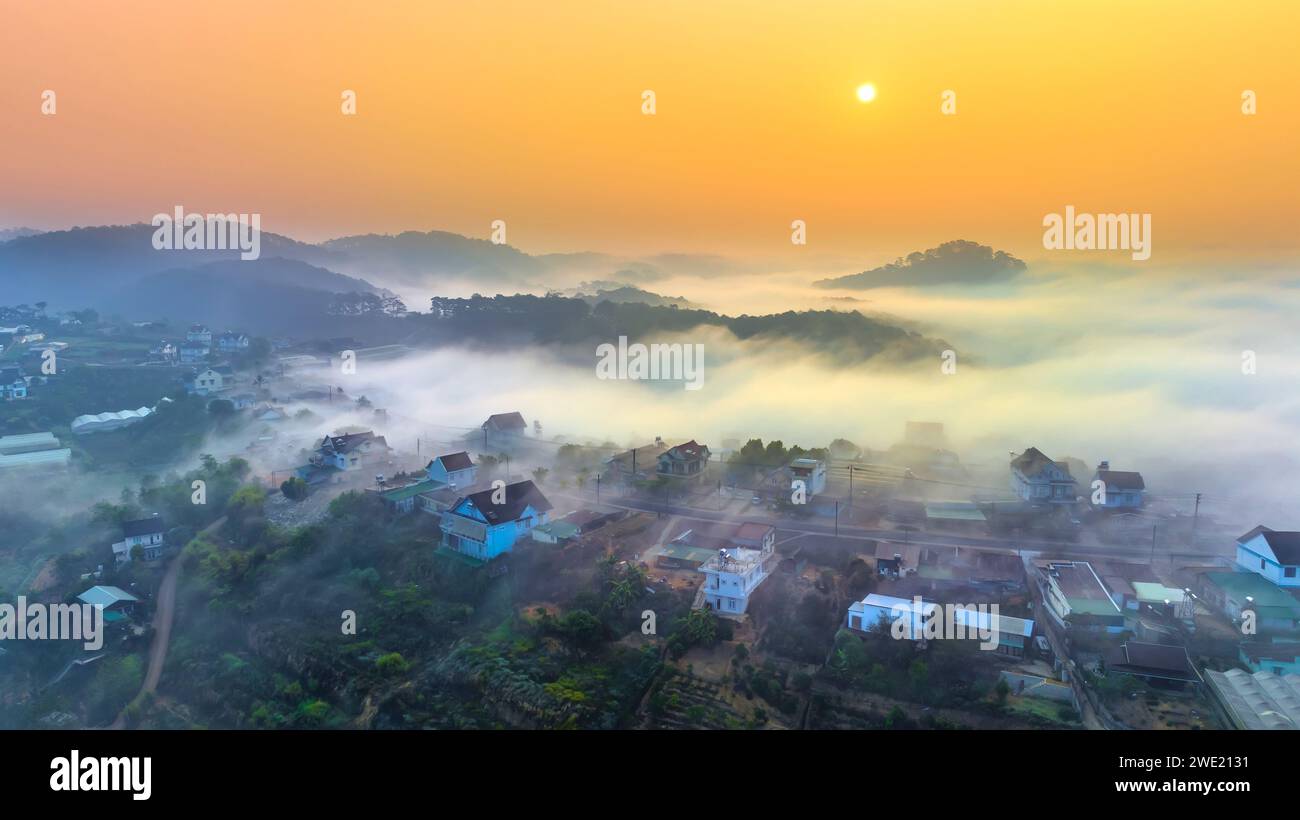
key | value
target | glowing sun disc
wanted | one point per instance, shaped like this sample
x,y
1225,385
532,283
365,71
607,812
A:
x,y
866,92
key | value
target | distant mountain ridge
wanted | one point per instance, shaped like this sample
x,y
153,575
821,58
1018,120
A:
x,y
959,262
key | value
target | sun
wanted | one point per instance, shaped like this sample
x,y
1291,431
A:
x,y
866,92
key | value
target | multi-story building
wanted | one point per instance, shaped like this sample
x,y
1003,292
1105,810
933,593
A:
x,y
146,533
811,472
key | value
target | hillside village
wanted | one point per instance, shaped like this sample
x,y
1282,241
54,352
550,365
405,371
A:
x,y
508,576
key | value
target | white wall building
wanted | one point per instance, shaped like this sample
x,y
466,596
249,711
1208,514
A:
x,y
731,576
811,472
1272,554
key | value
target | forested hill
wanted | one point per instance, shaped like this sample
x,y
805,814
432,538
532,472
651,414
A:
x,y
847,337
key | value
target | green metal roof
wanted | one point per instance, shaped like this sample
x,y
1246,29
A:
x,y
954,511
683,552
411,490
1266,594
559,529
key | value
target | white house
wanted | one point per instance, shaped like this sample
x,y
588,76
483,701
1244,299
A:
x,y
1038,479
1120,490
732,575
1272,554
943,620
811,472
353,451
146,533
206,382
453,469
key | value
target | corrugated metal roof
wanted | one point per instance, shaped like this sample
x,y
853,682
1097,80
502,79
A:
x,y
40,457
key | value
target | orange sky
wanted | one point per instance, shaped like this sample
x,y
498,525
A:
x,y
531,112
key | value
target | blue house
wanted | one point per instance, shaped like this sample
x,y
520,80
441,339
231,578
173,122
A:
x,y
453,469
486,524
1121,490
1038,479
1272,554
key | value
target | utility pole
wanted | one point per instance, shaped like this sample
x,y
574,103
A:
x,y
850,485
837,519
597,489
1196,514
1153,544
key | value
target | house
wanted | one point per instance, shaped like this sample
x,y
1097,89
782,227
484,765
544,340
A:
x,y
503,429
145,533
28,338
453,470
117,604
13,383
1273,658
193,353
404,499
243,401
685,462
811,472
732,575
1120,490
437,501
206,382
200,335
556,532
1234,594
954,620
1159,664
1076,598
486,524
894,560
1272,554
232,342
1038,479
636,464
1168,602
351,451
33,450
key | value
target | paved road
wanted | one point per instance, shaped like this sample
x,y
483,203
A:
x,y
1067,549
163,616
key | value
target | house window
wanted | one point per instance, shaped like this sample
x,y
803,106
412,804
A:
x,y
1261,563
1289,572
